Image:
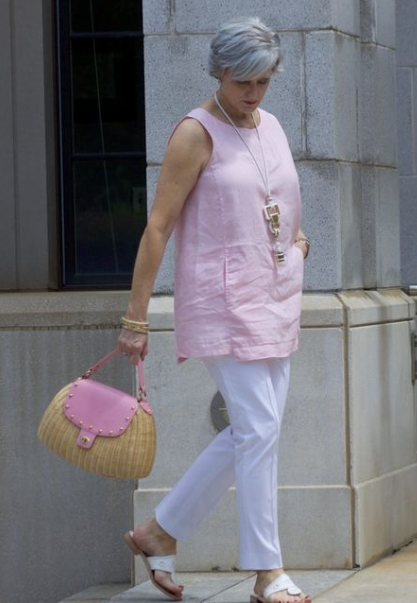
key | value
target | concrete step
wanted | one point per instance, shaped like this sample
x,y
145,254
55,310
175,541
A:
x,y
391,580
103,593
213,587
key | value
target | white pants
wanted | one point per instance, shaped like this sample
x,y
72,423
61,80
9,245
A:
x,y
246,453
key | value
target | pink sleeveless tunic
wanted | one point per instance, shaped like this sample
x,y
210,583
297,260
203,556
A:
x,y
230,295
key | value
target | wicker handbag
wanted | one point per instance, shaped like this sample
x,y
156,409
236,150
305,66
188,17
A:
x,y
101,429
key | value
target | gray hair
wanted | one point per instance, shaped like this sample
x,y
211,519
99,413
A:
x,y
247,47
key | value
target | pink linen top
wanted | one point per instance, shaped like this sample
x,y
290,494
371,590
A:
x,y
231,297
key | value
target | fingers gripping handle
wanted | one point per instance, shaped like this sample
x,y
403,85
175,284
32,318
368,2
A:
x,y
98,365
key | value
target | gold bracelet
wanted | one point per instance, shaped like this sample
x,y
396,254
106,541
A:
x,y
143,330
136,329
138,323
307,244
135,325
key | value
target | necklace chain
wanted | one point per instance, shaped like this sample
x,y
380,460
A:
x,y
271,209
264,175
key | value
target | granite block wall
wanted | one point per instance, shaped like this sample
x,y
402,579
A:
x,y
336,101
406,18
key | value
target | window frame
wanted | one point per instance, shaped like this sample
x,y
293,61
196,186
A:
x,y
67,154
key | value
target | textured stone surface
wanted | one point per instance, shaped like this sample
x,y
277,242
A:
x,y
311,582
380,227
305,514
321,310
101,593
367,17
377,108
380,530
77,309
290,15
407,135
216,587
173,90
285,98
381,398
369,226
406,15
72,519
157,16
378,22
393,579
319,184
405,121
351,220
388,229
408,195
385,22
374,307
313,450
331,86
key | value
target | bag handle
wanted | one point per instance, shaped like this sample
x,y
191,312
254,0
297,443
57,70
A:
x,y
98,365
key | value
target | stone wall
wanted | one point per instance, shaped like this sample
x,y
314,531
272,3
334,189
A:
x,y
61,528
336,103
406,14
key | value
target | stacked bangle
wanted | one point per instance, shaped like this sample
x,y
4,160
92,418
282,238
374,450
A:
x,y
307,244
135,325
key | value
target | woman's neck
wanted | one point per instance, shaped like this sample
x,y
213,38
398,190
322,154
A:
x,y
239,118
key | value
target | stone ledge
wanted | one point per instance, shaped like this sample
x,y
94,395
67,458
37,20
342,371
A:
x,y
376,307
321,310
76,309
102,309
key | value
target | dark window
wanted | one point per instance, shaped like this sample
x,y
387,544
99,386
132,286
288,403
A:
x,y
102,140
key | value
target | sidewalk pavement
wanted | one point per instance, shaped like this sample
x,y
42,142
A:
x,y
392,579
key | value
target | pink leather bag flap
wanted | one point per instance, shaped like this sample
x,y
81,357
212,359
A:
x,y
100,410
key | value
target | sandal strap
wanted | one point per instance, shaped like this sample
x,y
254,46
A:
x,y
166,563
283,582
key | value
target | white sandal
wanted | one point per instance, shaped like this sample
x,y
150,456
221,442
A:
x,y
165,563
283,582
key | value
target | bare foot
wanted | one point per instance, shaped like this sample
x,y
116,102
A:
x,y
265,578
155,542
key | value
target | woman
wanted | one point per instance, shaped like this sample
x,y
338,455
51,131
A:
x,y
228,185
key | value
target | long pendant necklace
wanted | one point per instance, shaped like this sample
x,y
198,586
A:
x,y
271,209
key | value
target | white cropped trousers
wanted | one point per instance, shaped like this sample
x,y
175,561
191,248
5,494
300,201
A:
x,y
246,453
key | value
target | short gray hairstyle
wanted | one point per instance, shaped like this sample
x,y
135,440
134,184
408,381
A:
x,y
247,47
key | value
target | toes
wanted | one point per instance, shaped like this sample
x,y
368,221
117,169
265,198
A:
x,y
166,582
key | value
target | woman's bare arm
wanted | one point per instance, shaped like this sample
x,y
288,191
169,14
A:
x,y
187,154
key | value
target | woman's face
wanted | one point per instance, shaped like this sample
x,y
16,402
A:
x,y
244,96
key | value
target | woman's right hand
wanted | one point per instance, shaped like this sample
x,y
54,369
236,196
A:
x,y
133,345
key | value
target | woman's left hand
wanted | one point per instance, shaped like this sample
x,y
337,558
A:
x,y
133,345
303,246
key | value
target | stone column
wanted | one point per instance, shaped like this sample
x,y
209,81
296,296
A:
x,y
406,14
348,444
